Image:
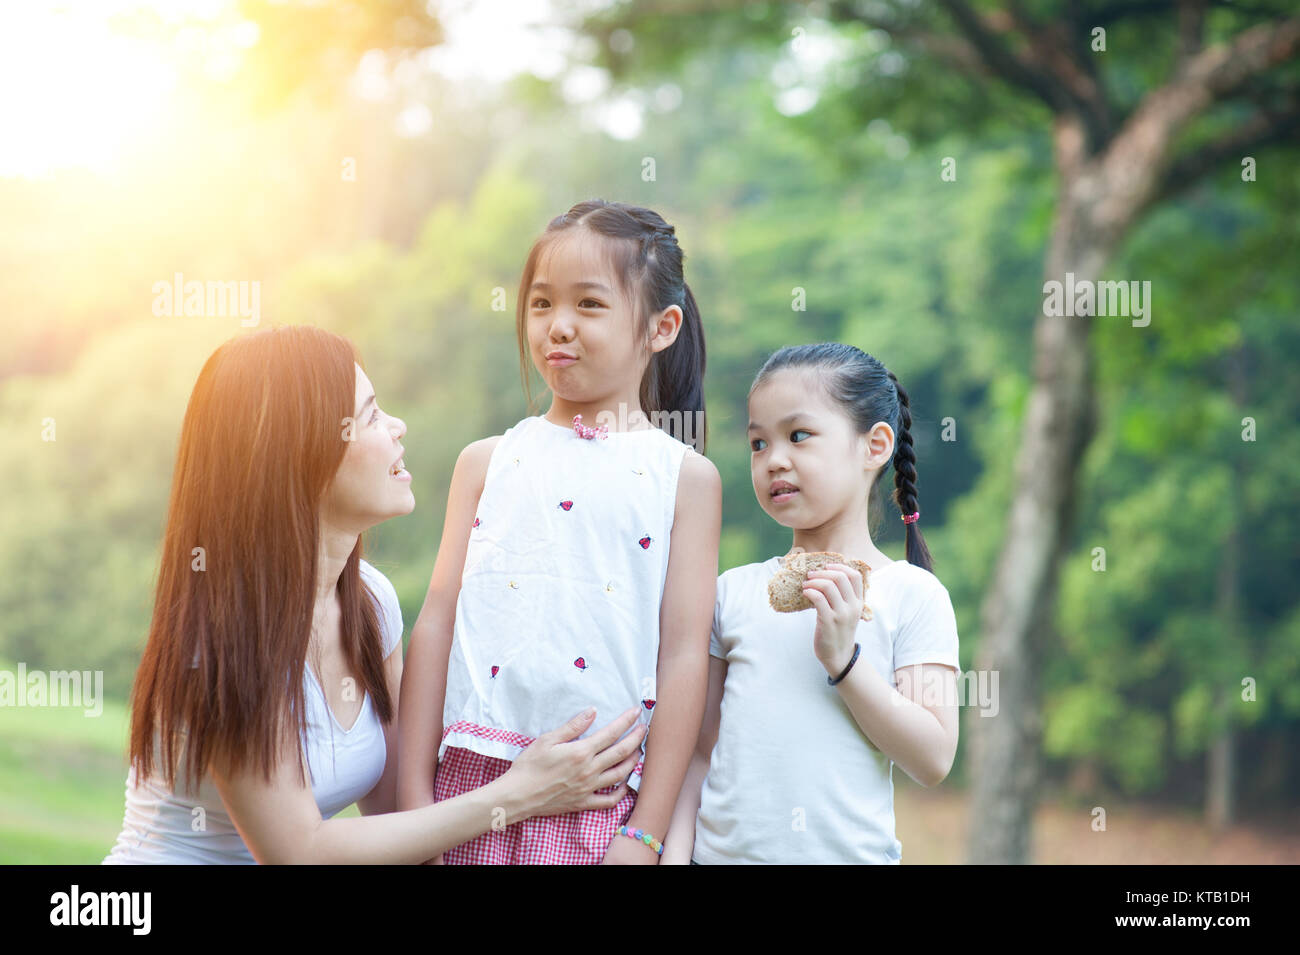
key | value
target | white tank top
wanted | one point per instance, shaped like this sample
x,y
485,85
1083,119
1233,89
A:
x,y
564,574
182,826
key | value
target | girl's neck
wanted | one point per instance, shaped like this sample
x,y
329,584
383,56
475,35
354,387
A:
x,y
854,546
620,413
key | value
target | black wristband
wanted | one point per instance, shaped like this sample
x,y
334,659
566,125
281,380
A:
x,y
857,648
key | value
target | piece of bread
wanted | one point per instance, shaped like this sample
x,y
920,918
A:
x,y
785,590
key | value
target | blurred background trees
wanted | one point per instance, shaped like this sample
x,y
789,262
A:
x,y
332,153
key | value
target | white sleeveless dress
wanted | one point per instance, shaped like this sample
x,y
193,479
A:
x,y
564,574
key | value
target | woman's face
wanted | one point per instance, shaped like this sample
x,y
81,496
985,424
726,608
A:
x,y
369,487
799,441
576,309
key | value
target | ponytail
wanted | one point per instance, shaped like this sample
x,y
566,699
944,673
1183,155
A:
x,y
905,480
674,381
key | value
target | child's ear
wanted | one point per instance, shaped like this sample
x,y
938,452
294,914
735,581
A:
x,y
878,446
666,327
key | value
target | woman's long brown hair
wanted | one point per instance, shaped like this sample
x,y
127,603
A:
x,y
222,675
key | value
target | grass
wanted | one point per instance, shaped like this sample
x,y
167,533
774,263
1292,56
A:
x,y
62,783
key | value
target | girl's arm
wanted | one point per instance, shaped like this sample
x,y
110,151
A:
x,y
424,682
383,798
685,619
915,725
679,843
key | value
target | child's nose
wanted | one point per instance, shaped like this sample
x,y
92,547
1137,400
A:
x,y
778,460
561,326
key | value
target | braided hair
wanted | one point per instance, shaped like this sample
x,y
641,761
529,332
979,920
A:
x,y
647,260
868,392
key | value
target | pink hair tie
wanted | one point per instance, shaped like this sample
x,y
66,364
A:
x,y
583,431
912,518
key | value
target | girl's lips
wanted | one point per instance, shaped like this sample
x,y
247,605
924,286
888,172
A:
x,y
559,362
782,496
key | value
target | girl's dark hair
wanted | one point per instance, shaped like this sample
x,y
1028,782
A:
x,y
648,264
868,392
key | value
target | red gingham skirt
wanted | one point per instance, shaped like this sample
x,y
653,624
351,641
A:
x,y
577,838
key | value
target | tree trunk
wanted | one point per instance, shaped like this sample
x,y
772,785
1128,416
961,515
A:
x,y
1017,622
1219,803
1220,806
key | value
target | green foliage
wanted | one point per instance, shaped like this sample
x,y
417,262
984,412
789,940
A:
x,y
940,280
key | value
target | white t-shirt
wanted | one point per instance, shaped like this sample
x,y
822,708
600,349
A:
x,y
162,827
792,778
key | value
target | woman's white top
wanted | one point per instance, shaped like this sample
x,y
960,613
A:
x,y
564,574
166,827
793,778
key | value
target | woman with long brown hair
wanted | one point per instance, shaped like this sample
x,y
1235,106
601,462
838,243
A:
x,y
267,697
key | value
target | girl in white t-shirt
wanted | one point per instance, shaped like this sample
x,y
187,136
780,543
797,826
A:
x,y
808,711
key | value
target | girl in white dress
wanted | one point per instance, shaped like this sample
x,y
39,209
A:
x,y
579,556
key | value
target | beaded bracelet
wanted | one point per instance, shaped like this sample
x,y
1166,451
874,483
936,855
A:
x,y
642,836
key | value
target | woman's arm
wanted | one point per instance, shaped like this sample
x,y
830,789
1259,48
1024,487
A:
x,y
383,798
424,682
685,618
679,843
280,822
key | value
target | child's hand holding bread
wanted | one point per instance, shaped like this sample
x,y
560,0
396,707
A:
x,y
833,585
785,591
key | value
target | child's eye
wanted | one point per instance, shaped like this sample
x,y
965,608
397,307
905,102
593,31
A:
x,y
754,442
799,431
593,302
540,303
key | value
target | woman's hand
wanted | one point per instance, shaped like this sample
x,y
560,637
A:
x,y
559,773
836,591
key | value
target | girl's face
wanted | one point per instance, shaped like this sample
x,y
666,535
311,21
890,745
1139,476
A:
x,y
580,324
808,463
369,487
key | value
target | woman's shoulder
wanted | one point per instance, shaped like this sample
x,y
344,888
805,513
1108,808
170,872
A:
x,y
375,577
386,596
